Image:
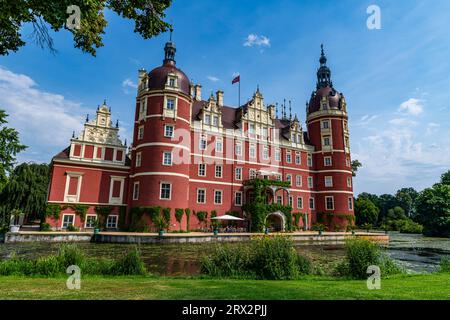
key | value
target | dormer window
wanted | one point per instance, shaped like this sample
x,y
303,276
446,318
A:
x,y
207,119
216,121
172,82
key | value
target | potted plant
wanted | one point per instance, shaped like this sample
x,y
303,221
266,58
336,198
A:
x,y
319,227
97,226
15,216
160,224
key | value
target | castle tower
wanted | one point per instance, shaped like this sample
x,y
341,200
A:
x,y
161,142
327,122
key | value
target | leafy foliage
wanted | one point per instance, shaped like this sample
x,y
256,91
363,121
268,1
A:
x,y
26,190
10,144
272,258
148,16
355,166
433,210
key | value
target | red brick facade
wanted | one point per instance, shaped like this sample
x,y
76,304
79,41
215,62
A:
x,y
193,153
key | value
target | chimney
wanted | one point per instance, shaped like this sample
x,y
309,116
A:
x,y
192,90
198,92
219,98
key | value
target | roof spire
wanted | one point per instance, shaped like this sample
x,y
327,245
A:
x,y
290,110
170,50
276,110
284,108
323,73
73,135
117,123
87,118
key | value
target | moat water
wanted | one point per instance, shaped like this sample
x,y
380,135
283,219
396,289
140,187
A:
x,y
415,253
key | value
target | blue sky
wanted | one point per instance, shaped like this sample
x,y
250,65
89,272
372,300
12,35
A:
x,y
396,79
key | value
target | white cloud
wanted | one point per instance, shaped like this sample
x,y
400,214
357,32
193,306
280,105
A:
x,y
432,127
212,78
45,120
127,85
367,119
403,122
255,40
412,106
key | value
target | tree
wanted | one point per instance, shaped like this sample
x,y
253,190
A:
x,y
365,212
396,213
386,202
9,147
148,16
370,196
433,210
406,198
26,190
445,178
355,165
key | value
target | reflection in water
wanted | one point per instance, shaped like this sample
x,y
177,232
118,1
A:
x,y
414,252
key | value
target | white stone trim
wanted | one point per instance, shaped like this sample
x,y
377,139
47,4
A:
x,y
140,174
72,198
89,164
161,144
118,200
68,214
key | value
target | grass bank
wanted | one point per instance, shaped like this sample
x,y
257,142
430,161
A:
x,y
426,286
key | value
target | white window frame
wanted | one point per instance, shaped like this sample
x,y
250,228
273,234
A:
x,y
67,215
166,126
200,165
313,207
291,201
86,220
238,147
221,196
236,176
350,203
205,121
328,181
288,157
235,198
298,180
203,139
298,156
141,132
116,200
252,174
219,142
277,155
216,171
252,151
326,203
289,178
309,160
310,182
279,198
169,163
73,198
136,193
138,160
204,195
301,202
324,141
349,182
325,161
265,153
166,105
116,224
161,188
327,127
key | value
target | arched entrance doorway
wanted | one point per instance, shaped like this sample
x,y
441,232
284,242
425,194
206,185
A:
x,y
276,221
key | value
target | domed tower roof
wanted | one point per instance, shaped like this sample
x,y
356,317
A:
x,y
324,88
157,78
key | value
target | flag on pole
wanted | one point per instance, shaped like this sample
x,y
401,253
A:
x,y
237,79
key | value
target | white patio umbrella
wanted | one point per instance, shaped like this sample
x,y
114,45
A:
x,y
227,217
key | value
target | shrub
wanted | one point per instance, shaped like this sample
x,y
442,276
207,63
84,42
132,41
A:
x,y
45,227
72,228
444,265
70,254
130,264
271,258
275,258
362,253
16,266
48,266
228,261
319,227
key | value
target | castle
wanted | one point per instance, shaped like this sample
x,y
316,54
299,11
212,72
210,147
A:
x,y
188,152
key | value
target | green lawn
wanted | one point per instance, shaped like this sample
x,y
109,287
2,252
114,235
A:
x,y
429,286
